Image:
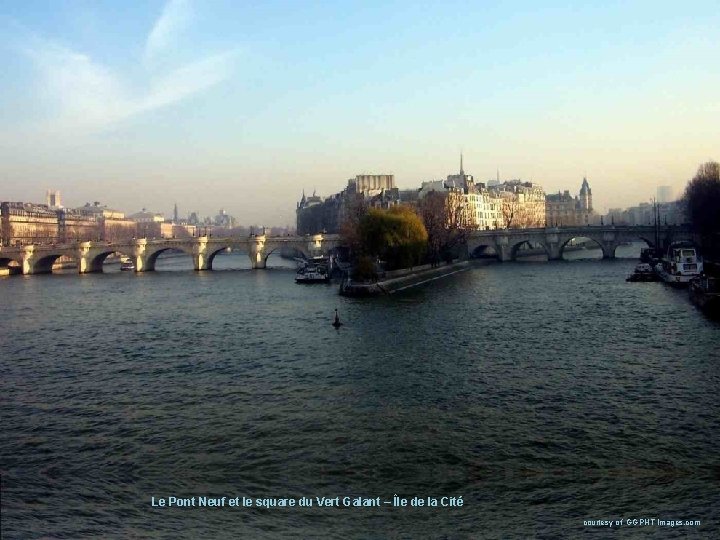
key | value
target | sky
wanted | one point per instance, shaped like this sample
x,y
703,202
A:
x,y
241,105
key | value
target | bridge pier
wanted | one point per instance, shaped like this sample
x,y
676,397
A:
x,y
256,252
201,255
608,250
87,258
140,257
36,263
315,245
503,249
201,262
609,244
260,263
553,247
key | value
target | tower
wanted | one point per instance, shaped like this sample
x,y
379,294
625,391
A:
x,y
175,214
586,196
52,198
462,173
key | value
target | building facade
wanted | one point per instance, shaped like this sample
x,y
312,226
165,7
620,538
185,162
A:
x,y
481,206
562,209
672,213
28,223
316,215
523,204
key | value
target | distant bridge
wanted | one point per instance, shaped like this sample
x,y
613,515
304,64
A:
x,y
507,242
90,256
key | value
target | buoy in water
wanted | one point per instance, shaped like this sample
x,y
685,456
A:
x,y
336,323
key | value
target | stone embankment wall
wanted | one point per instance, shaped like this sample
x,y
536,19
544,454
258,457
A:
x,y
397,280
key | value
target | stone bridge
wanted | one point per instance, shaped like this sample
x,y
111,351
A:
x,y
90,256
506,242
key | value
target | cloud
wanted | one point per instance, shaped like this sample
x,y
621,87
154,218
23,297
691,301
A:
x,y
175,17
81,89
87,96
188,80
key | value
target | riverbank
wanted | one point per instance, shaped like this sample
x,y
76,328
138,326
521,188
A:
x,y
399,280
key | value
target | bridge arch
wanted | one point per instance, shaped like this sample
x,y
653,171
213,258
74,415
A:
x,y
44,264
98,260
9,266
273,248
485,251
596,243
152,257
633,253
233,247
516,247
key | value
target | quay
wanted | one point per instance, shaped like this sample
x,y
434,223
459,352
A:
x,y
400,280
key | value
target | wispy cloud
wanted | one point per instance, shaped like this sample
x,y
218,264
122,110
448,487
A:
x,y
87,96
175,17
188,80
83,91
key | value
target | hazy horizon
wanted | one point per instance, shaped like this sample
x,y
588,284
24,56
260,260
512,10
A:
x,y
210,105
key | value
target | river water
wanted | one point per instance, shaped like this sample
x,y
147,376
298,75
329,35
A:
x,y
545,394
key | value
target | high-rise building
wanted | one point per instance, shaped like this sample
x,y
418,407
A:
x,y
664,194
52,197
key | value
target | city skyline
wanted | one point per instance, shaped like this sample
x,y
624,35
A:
x,y
213,106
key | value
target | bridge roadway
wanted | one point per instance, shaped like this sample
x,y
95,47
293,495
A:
x,y
39,258
507,242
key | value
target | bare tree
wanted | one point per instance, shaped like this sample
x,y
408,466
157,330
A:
x,y
353,212
702,198
447,221
702,201
510,209
432,211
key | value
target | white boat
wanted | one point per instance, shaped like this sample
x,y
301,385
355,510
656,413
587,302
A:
x,y
314,270
126,264
680,265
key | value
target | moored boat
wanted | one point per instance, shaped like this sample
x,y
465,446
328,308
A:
x,y
680,265
705,293
314,270
643,272
126,264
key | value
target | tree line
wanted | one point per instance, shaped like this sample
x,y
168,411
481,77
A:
x,y
432,230
702,204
